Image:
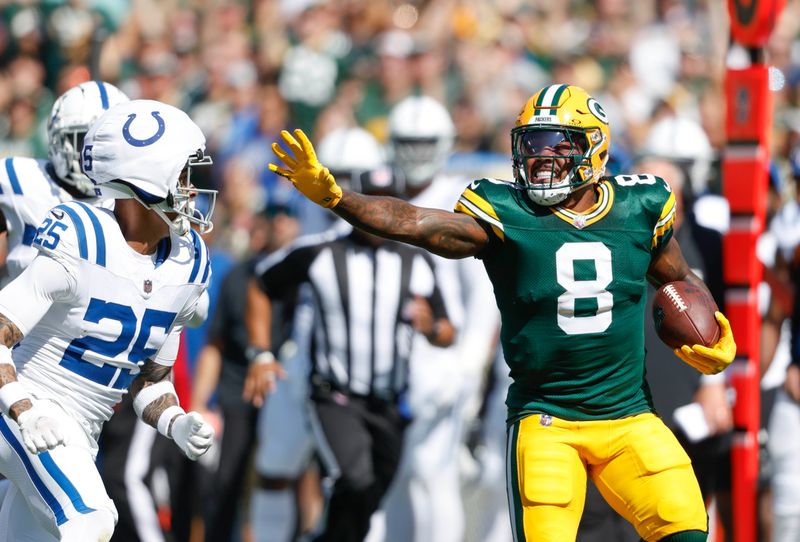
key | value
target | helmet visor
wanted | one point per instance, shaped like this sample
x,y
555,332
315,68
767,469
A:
x,y
535,143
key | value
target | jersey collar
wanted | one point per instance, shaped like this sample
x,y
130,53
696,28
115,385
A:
x,y
594,214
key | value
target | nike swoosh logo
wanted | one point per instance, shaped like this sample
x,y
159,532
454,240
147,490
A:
x,y
58,214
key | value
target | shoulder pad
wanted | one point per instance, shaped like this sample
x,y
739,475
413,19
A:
x,y
74,230
656,198
19,174
476,199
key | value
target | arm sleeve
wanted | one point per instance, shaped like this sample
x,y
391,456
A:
x,y
169,349
168,352
28,297
200,314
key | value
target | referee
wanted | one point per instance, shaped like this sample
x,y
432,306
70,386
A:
x,y
370,298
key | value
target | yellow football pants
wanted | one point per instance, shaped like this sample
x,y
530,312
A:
x,y
636,463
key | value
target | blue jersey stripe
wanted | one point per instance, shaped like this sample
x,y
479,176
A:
x,y
48,497
163,250
207,268
80,230
12,176
98,232
103,94
28,235
197,245
64,483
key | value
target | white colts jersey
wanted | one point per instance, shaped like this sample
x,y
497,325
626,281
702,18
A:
x,y
27,193
120,309
468,294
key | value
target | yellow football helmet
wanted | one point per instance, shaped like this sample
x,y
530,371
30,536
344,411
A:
x,y
559,115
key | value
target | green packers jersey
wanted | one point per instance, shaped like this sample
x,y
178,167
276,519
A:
x,y
571,289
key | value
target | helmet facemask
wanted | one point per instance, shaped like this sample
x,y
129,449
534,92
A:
x,y
65,154
420,158
545,181
182,202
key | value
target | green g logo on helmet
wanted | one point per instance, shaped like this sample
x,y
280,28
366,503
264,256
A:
x,y
597,110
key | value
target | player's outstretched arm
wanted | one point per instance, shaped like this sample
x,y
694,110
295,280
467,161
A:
x,y
447,234
156,403
669,265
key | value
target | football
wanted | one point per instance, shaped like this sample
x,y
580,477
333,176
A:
x,y
684,314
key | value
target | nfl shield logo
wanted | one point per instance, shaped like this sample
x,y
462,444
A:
x,y
148,286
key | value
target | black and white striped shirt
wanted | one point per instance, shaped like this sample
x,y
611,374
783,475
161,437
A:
x,y
361,340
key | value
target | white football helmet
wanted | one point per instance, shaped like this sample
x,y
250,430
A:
x,y
421,136
348,152
70,118
141,149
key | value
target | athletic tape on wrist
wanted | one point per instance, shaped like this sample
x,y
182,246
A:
x,y
150,394
5,355
165,420
10,393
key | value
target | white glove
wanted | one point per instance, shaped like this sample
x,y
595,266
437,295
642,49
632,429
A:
x,y
192,434
40,432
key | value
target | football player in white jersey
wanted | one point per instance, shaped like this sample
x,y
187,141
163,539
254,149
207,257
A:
x,y
424,502
29,187
97,313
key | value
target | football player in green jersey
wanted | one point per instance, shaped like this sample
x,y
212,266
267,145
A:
x,y
569,253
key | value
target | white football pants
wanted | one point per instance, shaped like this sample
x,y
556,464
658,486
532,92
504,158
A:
x,y
61,487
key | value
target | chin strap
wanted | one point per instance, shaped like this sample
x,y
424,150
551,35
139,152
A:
x,y
179,226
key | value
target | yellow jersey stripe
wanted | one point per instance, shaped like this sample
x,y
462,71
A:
x,y
662,227
468,208
480,203
669,207
596,213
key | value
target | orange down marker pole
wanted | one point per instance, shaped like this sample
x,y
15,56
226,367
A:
x,y
745,178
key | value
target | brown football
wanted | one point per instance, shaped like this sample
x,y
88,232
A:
x,y
684,314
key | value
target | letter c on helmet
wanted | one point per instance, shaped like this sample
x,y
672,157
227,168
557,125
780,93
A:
x,y
147,141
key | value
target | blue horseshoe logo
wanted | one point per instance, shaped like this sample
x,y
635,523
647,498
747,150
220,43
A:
x,y
143,142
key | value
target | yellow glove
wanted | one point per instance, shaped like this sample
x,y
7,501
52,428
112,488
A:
x,y
304,170
712,360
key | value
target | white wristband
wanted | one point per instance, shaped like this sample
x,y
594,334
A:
x,y
5,355
718,378
263,358
165,420
150,394
10,393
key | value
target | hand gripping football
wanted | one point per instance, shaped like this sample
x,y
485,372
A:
x,y
684,314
